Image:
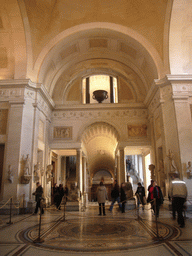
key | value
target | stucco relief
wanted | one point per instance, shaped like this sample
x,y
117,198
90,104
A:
x,y
137,130
62,132
3,120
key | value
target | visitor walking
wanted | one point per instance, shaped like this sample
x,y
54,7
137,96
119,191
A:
x,y
140,194
178,193
115,196
66,192
38,196
155,195
61,194
101,197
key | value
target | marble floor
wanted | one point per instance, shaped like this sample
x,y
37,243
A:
x,y
87,233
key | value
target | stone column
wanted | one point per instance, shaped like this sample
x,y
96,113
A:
x,y
122,176
79,170
84,172
118,166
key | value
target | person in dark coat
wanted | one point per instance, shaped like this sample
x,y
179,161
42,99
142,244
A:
x,y
61,194
66,192
140,194
155,195
38,196
101,197
115,196
123,197
55,193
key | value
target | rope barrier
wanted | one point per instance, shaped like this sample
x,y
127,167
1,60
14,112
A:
x,y
6,203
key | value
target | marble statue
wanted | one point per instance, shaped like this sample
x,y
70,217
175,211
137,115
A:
x,y
74,193
152,169
172,165
189,170
10,174
36,172
26,170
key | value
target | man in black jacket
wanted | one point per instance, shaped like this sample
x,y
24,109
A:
x,y
115,195
38,196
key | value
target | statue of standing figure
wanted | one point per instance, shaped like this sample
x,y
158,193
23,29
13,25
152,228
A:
x,y
172,165
10,174
26,170
189,170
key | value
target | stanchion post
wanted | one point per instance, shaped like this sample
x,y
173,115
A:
x,y
39,239
11,202
65,200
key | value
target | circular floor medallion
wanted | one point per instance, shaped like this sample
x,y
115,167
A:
x,y
99,234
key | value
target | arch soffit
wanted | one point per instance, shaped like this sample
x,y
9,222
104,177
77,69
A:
x,y
110,26
86,128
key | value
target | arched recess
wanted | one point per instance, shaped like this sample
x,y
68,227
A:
x,y
107,175
135,80
100,140
180,37
131,41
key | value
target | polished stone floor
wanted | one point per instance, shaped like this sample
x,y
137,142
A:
x,y
86,233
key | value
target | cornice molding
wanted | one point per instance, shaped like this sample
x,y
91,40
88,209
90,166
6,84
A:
x,y
27,83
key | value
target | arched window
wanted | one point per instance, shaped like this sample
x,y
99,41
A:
x,y
99,82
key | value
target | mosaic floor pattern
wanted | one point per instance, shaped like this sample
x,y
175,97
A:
x,y
100,234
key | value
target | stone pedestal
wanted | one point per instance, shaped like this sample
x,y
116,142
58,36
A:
x,y
72,206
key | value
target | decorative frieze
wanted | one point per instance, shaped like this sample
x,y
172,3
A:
x,y
137,130
63,132
114,114
10,93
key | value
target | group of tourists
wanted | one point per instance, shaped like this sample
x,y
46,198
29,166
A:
x,y
177,193
119,195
